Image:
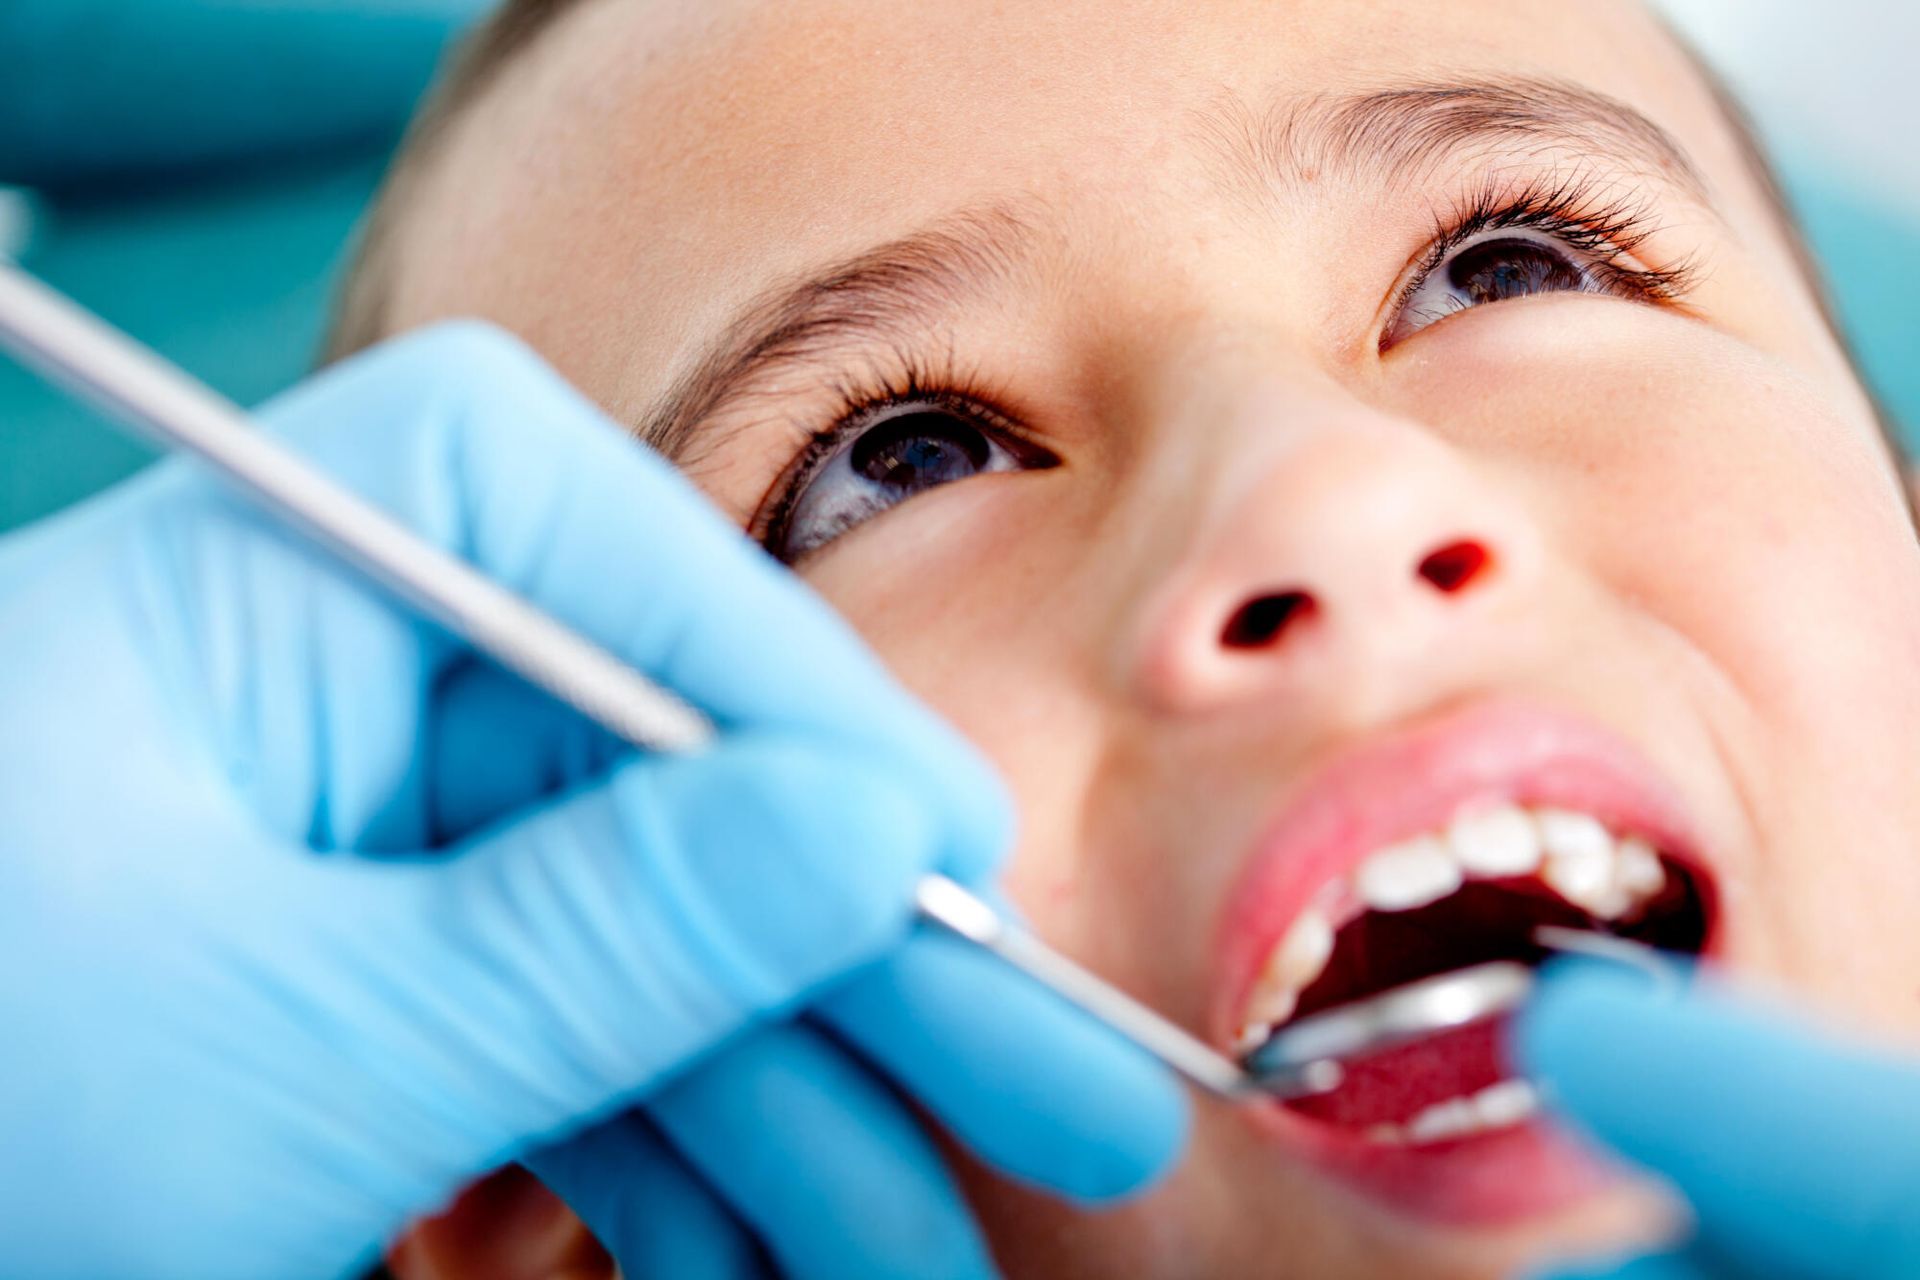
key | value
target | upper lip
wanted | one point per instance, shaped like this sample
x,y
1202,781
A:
x,y
1413,781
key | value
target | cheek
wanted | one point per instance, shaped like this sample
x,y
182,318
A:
x,y
1748,522
960,593
1740,507
1744,505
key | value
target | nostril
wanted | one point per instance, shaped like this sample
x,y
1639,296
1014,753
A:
x,y
1259,621
1454,566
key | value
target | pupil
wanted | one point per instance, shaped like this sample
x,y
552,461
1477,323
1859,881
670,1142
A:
x,y
1499,269
918,451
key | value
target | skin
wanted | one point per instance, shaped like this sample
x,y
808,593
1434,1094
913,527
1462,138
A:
x,y
1701,543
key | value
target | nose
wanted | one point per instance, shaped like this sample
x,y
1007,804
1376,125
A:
x,y
1351,560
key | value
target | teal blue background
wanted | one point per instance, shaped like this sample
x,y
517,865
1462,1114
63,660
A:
x,y
205,200
1871,253
196,168
228,277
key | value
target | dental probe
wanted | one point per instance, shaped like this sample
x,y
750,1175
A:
x,y
135,385
138,387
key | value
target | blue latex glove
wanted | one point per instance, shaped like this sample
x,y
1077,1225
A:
x,y
1799,1155
307,915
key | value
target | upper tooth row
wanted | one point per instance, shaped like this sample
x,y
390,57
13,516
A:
x,y
1573,852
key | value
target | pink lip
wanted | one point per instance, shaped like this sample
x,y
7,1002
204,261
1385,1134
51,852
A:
x,y
1488,1180
1388,790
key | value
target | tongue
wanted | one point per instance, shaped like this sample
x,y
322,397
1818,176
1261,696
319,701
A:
x,y
1394,1086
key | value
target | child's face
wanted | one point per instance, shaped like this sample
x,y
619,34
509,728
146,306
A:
x,y
1181,379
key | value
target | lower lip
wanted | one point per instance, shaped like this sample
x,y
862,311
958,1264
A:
x,y
1482,1179
1485,1180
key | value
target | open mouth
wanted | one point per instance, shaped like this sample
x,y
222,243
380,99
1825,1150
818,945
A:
x,y
1472,892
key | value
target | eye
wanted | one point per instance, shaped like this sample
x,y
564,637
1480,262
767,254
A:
x,y
1495,266
873,465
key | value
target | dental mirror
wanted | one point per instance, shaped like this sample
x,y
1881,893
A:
x,y
1305,1056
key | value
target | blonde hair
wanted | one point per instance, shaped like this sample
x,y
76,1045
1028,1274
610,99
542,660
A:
x,y
360,309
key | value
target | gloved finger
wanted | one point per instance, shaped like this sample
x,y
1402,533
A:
x,y
1032,1085
823,1159
465,436
1661,1266
1798,1155
655,1215
561,965
502,745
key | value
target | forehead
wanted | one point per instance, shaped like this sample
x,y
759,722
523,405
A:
x,y
648,167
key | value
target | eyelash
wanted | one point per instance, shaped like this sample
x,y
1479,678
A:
x,y
1574,211
906,379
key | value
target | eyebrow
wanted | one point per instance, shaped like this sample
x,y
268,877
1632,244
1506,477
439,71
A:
x,y
1400,135
886,291
1405,134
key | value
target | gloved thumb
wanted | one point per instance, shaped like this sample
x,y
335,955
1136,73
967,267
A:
x,y
1798,1155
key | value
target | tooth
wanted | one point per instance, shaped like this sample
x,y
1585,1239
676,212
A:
x,y
1579,864
1638,869
1404,876
1572,834
1584,880
1495,842
1610,903
1453,1118
1502,1105
1291,968
1387,1135
1271,1005
1303,955
1249,1037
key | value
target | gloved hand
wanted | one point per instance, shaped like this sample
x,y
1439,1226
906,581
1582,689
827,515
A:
x,y
307,914
1799,1155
